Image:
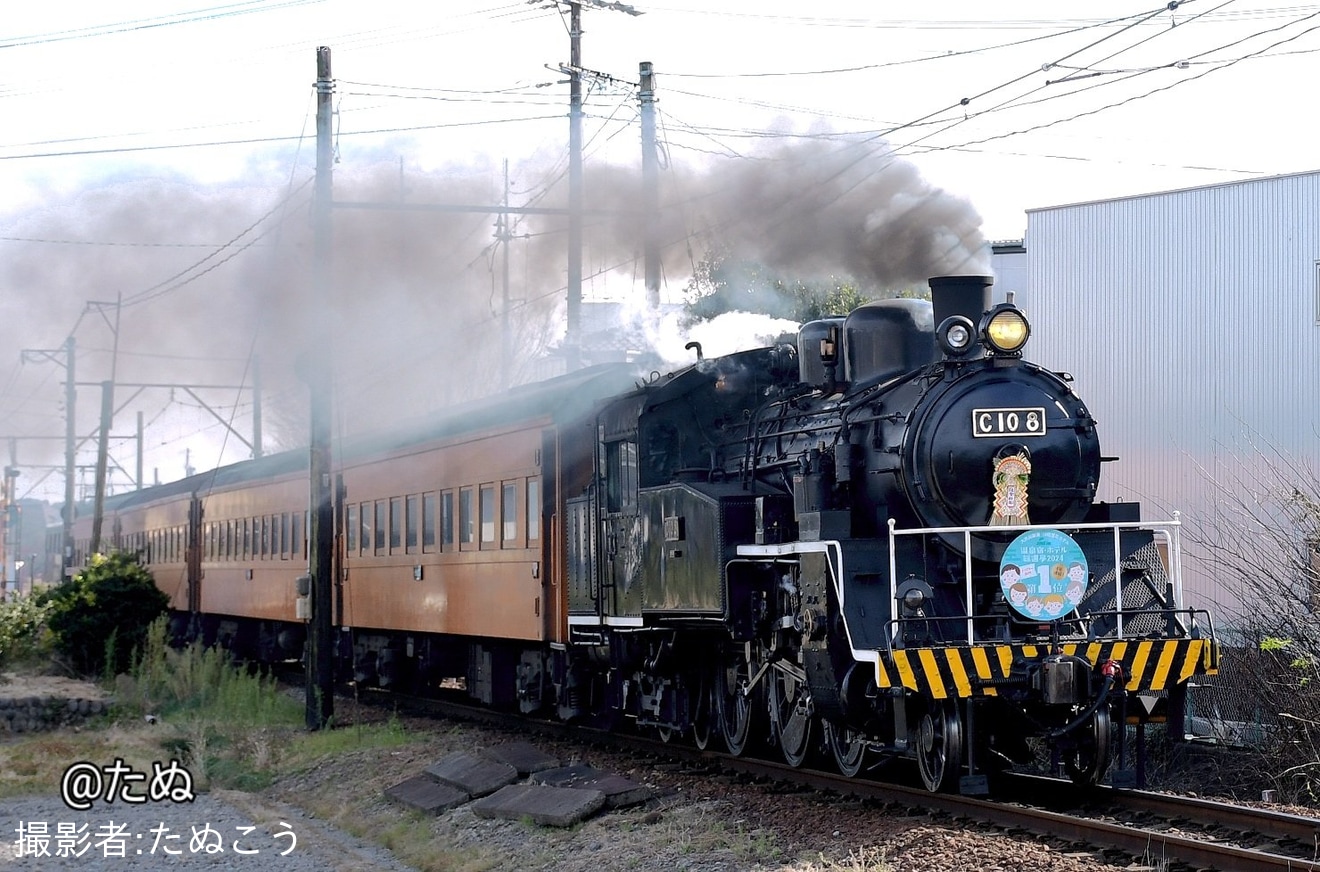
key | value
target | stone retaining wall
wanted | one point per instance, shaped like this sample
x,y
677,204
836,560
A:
x,y
26,714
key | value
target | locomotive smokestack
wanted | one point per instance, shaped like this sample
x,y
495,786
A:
x,y
960,295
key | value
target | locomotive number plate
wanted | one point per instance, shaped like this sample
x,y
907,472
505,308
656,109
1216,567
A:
x,y
1008,422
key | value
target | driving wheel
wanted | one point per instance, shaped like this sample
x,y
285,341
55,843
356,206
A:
x,y
939,745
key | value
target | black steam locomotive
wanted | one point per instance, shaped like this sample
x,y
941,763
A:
x,y
884,540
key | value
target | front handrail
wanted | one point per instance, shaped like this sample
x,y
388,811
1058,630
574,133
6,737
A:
x,y
1170,530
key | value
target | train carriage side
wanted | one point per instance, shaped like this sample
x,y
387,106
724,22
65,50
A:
x,y
251,531
451,547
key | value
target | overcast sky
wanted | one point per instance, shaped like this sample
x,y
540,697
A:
x,y
1064,102
1041,105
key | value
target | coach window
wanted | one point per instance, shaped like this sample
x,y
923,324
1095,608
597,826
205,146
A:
x,y
382,524
412,521
447,521
351,528
428,522
467,532
364,540
509,514
396,524
533,509
295,535
282,534
621,477
487,513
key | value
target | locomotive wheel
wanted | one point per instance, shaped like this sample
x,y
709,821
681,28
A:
x,y
734,709
847,746
790,710
939,745
1088,760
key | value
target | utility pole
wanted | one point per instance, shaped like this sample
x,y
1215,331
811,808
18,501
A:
x,y
503,233
10,528
102,458
320,701
650,188
70,440
70,458
140,455
573,335
107,416
256,407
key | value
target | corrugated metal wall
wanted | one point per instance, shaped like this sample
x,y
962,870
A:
x,y
1190,322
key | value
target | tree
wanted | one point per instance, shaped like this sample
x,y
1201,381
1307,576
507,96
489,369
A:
x,y
723,284
1261,538
101,615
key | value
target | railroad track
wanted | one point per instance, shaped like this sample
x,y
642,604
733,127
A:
x,y
1160,830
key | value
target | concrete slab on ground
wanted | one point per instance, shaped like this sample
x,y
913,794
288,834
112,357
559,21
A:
x,y
548,806
424,793
619,791
476,775
523,756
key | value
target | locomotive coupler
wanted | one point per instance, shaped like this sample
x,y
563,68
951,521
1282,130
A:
x,y
1064,680
1111,671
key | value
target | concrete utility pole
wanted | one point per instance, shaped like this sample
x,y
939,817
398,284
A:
x,y
103,445
70,455
70,439
102,458
503,234
573,335
650,188
320,682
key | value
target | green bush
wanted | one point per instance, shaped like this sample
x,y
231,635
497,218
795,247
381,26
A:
x,y
21,624
101,615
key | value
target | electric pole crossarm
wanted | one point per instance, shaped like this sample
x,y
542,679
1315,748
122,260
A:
x,y
216,415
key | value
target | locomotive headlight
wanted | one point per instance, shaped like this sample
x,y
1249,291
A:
x,y
956,336
1006,330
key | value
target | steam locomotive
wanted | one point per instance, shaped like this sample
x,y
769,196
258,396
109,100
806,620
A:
x,y
882,541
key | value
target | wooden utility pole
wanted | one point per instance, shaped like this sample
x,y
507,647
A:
x,y
320,702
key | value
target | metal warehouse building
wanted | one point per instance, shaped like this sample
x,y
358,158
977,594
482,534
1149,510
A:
x,y
1191,320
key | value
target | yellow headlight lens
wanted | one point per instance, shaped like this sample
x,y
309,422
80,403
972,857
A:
x,y
1007,331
